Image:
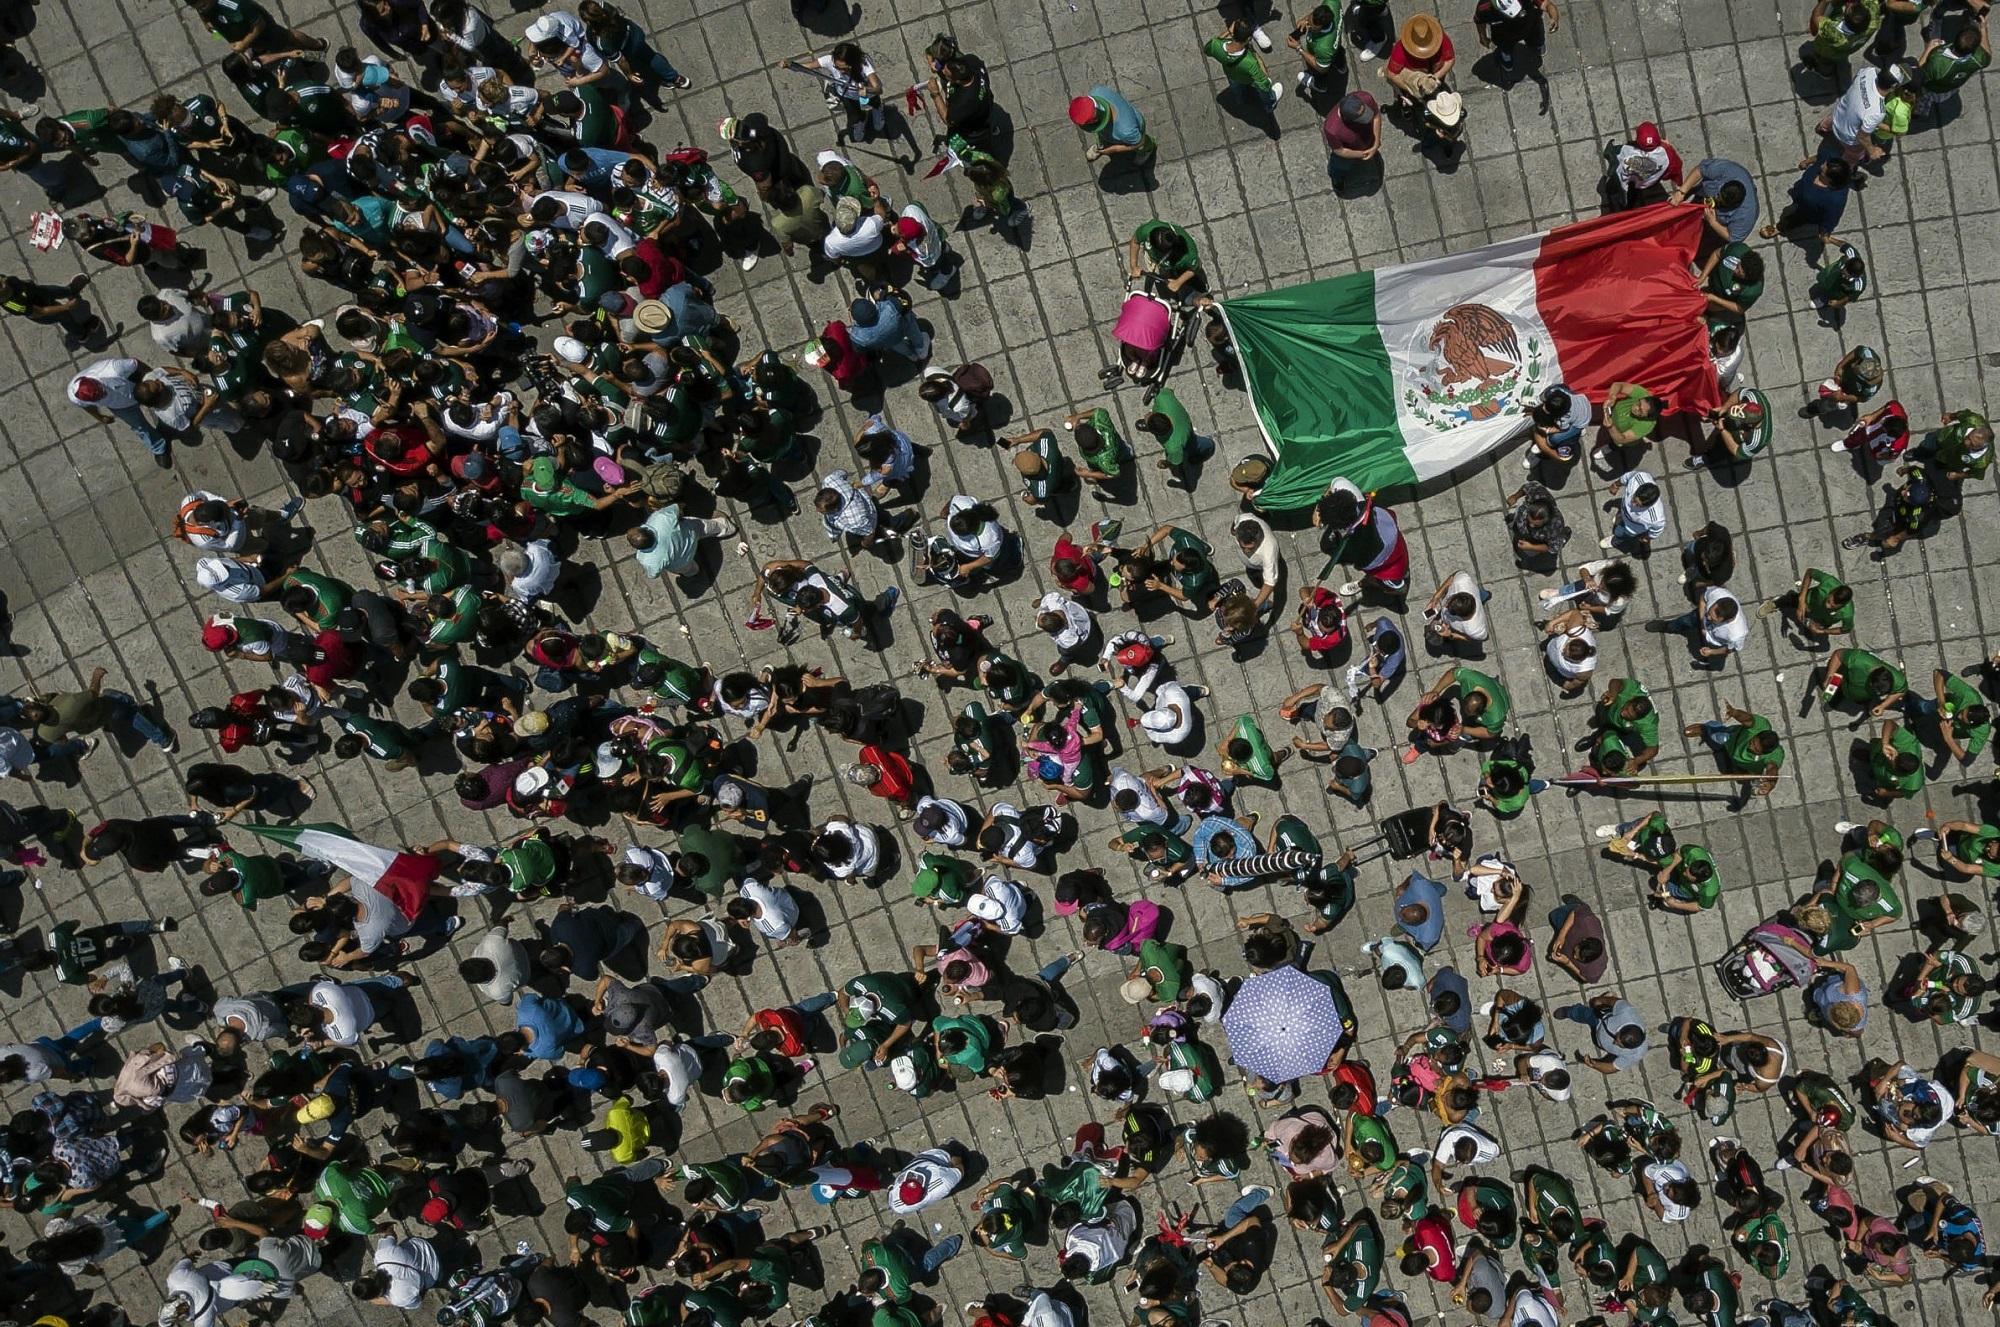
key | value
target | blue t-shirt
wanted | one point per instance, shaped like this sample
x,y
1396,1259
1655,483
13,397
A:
x,y
1741,219
1126,126
1420,888
549,1023
1245,842
1815,204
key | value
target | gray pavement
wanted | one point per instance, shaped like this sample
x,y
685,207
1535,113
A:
x,y
92,578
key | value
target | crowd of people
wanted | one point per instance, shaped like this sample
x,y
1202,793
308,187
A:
x,y
530,365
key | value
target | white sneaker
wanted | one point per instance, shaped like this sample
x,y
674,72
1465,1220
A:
x,y
1349,589
1844,827
1606,831
1277,89
747,261
1262,39
1528,459
177,964
1609,541
1305,76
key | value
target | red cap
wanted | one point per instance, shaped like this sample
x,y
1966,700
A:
x,y
910,1192
909,228
215,636
1083,111
90,389
1646,137
436,1211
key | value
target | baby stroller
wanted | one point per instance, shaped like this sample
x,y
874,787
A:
x,y
1772,957
1152,329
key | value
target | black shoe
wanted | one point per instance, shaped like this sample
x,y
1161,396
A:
x,y
164,459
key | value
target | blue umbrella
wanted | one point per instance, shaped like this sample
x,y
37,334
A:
x,y
1282,1025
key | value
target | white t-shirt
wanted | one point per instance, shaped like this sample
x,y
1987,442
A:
x,y
1171,720
1008,902
1103,1243
956,821
867,850
928,248
1150,810
840,84
544,569
939,1176
577,207
411,1266
678,1066
1561,662
1487,1146
377,920
984,542
866,239
1650,521
1076,619
659,868
1859,109
1661,1174
778,911
509,958
1476,627
1730,635
351,1009
1263,563
1540,1065
230,580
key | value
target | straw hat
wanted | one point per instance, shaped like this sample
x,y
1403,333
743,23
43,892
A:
x,y
652,317
1421,36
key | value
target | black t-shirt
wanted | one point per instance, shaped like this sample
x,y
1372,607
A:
x,y
1506,31
559,1293
968,106
149,844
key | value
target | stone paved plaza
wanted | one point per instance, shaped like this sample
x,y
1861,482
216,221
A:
x,y
92,577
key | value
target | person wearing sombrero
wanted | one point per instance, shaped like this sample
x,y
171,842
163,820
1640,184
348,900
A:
x,y
1115,123
1420,62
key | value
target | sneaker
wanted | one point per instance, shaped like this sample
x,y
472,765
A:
x,y
89,743
1304,81
1844,827
291,508
681,84
1277,89
165,925
747,261
263,195
1694,463
1262,39
171,745
1605,831
514,1168
1528,460
453,924
1609,541
177,964
1348,589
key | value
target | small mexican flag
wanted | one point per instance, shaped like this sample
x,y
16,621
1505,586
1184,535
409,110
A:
x,y
1390,377
403,878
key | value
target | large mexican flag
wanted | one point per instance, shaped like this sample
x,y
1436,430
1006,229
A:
x,y
402,877
1389,377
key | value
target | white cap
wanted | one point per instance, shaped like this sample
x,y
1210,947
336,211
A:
x,y
985,907
904,1070
571,349
543,28
1508,8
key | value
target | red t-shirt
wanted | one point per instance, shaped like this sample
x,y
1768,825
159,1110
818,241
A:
x,y
1399,59
1086,576
898,782
1355,1073
338,658
845,363
791,1029
1338,133
1432,1237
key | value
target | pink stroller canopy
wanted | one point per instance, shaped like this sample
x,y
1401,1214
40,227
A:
x,y
1142,324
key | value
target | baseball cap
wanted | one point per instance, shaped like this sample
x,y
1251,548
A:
x,y
85,389
542,29
1646,137
1356,109
217,636
571,349
909,228
319,1220
911,1191
1083,111
985,907
317,1108
903,1070
435,1211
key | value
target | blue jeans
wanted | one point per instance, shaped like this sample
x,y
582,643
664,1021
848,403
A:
x,y
1053,971
69,1047
70,748
813,1004
937,1255
135,419
1714,731
1245,1205
126,710
132,1229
